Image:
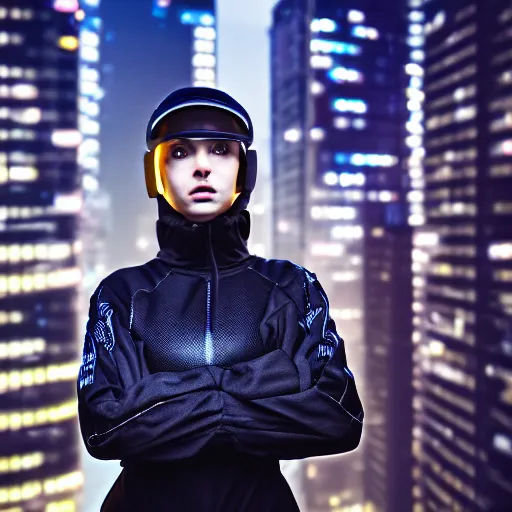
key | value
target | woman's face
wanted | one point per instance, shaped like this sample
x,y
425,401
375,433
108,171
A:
x,y
200,177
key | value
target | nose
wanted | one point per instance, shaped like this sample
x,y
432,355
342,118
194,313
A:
x,y
202,167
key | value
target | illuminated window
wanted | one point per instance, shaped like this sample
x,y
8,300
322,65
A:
x,y
365,159
207,33
356,106
17,379
448,139
453,78
69,43
454,39
336,47
505,16
341,74
365,32
323,25
465,12
333,213
21,462
355,16
321,62
452,59
502,276
502,207
327,249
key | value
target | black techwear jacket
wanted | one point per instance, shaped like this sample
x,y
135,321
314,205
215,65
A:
x,y
205,366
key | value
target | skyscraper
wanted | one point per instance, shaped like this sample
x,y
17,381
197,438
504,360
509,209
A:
x,y
337,132
95,212
40,202
151,48
462,258
388,326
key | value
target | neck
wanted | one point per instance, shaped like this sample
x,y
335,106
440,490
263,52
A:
x,y
187,244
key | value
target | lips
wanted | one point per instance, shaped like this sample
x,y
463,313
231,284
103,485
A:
x,y
202,193
203,189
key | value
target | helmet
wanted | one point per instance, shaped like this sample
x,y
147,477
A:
x,y
158,132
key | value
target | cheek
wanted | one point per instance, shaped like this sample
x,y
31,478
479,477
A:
x,y
174,181
231,172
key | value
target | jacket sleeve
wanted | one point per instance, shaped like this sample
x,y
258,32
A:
x,y
326,416
127,413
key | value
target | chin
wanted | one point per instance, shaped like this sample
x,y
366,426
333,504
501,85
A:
x,y
203,212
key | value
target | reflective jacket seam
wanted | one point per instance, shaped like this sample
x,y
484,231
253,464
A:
x,y
132,300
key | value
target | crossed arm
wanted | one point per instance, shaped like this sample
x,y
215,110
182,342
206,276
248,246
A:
x,y
298,400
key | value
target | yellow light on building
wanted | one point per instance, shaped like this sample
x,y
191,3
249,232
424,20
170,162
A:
x,y
312,471
334,501
69,43
79,15
27,173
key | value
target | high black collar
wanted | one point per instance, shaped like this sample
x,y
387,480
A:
x,y
186,244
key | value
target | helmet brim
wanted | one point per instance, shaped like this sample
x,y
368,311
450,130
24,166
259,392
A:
x,y
200,134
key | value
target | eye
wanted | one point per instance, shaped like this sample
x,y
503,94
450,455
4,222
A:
x,y
220,148
178,152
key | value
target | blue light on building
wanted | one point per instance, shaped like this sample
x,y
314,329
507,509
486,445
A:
x,y
161,8
337,47
365,159
192,17
323,25
349,105
340,74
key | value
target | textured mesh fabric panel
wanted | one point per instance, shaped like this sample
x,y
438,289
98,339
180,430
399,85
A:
x,y
171,321
242,304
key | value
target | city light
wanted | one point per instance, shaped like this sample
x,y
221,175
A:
x,y
66,5
333,213
347,232
205,60
340,74
317,88
69,43
197,18
207,33
344,179
365,32
317,133
327,249
500,251
66,138
355,16
337,47
366,159
341,123
356,106
436,23
321,62
292,135
323,25
202,46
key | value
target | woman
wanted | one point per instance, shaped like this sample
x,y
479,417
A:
x,y
205,366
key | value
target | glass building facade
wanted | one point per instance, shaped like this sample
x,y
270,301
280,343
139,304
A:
x,y
462,256
338,119
95,220
387,334
170,45
40,204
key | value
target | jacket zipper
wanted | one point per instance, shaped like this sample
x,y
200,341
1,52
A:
x,y
208,340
